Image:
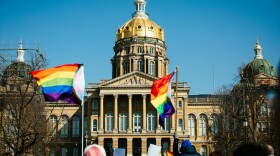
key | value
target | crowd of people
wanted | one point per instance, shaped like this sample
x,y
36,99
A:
x,y
187,149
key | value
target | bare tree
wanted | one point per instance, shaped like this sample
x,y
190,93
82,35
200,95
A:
x,y
23,117
245,115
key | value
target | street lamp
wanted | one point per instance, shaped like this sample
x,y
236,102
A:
x,y
245,124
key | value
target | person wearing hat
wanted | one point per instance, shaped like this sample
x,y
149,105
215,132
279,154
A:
x,y
186,149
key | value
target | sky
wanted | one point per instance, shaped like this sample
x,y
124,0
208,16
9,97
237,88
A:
x,y
207,40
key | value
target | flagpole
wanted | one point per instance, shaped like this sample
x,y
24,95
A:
x,y
176,96
82,148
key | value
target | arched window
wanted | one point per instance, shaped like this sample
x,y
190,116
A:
x,y
127,49
137,122
85,125
94,107
179,104
202,124
94,125
263,110
63,151
166,124
151,50
191,124
53,124
152,68
180,124
122,122
151,121
203,151
109,122
75,151
64,126
140,50
214,124
75,126
140,65
126,67
52,152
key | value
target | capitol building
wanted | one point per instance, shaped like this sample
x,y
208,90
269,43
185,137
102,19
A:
x,y
119,112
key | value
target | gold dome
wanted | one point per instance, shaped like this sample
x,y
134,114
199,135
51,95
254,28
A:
x,y
140,27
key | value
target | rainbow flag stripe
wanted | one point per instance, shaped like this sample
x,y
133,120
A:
x,y
57,83
161,97
169,153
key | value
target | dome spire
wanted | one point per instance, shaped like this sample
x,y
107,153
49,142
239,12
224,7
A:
x,y
20,52
258,50
140,9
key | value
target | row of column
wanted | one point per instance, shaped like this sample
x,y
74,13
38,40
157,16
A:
x,y
144,116
115,130
130,144
130,117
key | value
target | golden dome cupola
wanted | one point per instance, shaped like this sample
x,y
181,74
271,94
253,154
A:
x,y
140,9
140,46
140,25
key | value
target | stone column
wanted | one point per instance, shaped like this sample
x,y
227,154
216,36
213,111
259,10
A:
x,y
130,67
158,126
144,129
121,66
129,147
144,146
101,113
197,127
144,65
129,113
171,144
185,114
208,127
115,143
174,118
101,141
115,113
158,141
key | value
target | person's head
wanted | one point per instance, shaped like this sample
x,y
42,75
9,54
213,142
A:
x,y
269,149
250,149
94,150
216,153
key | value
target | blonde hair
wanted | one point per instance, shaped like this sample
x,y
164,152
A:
x,y
94,150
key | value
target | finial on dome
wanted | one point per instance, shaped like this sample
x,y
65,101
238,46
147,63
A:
x,y
20,52
140,9
258,50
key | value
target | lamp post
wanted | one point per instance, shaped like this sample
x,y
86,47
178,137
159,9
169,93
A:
x,y
245,124
86,137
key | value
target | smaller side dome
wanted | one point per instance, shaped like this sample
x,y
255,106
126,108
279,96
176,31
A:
x,y
17,69
258,65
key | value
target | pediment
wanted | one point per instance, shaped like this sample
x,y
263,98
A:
x,y
135,78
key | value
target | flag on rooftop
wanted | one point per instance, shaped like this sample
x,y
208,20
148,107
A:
x,y
161,97
65,82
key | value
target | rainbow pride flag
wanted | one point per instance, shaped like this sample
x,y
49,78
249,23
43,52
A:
x,y
161,97
65,82
169,153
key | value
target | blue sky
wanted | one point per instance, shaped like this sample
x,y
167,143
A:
x,y
202,36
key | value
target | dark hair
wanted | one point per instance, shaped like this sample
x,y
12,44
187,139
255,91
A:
x,y
250,149
216,153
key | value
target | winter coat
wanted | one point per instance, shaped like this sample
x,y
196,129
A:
x,y
189,151
185,150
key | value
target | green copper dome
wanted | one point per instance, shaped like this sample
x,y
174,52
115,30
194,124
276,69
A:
x,y
259,65
17,69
